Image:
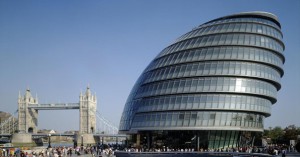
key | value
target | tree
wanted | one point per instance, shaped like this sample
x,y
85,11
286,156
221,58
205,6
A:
x,y
275,134
282,136
291,132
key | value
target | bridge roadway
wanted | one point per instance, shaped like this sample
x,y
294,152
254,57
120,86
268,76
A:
x,y
56,106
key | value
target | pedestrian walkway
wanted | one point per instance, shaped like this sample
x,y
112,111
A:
x,y
293,154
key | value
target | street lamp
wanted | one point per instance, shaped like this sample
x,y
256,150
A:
x,y
49,142
81,140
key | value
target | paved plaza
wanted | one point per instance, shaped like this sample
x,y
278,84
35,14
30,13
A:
x,y
293,154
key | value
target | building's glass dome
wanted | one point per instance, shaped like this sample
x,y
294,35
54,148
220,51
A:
x,y
222,75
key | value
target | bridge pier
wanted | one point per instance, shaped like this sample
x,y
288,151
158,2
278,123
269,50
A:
x,y
22,139
86,139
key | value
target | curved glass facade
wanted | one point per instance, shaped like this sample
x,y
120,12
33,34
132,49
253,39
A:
x,y
218,80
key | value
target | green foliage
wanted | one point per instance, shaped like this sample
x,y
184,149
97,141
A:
x,y
282,136
291,132
276,132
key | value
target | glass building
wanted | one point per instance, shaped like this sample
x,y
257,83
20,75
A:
x,y
212,88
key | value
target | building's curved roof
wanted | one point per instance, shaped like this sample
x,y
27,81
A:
x,y
260,14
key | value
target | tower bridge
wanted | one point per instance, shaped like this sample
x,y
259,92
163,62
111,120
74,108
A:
x,y
24,128
28,112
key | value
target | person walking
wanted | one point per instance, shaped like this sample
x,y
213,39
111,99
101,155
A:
x,y
283,152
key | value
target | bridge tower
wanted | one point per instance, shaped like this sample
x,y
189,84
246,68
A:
x,y
87,109
27,117
27,120
87,105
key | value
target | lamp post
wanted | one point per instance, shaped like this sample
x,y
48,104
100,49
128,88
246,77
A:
x,y
49,142
81,140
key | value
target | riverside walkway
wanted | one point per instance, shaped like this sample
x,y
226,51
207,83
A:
x,y
293,154
200,154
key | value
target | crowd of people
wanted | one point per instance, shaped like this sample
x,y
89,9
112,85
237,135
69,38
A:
x,y
272,150
61,151
108,150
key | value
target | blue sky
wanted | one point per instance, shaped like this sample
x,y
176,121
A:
x,y
56,48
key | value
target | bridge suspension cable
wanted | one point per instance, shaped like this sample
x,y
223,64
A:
x,y
10,125
104,126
